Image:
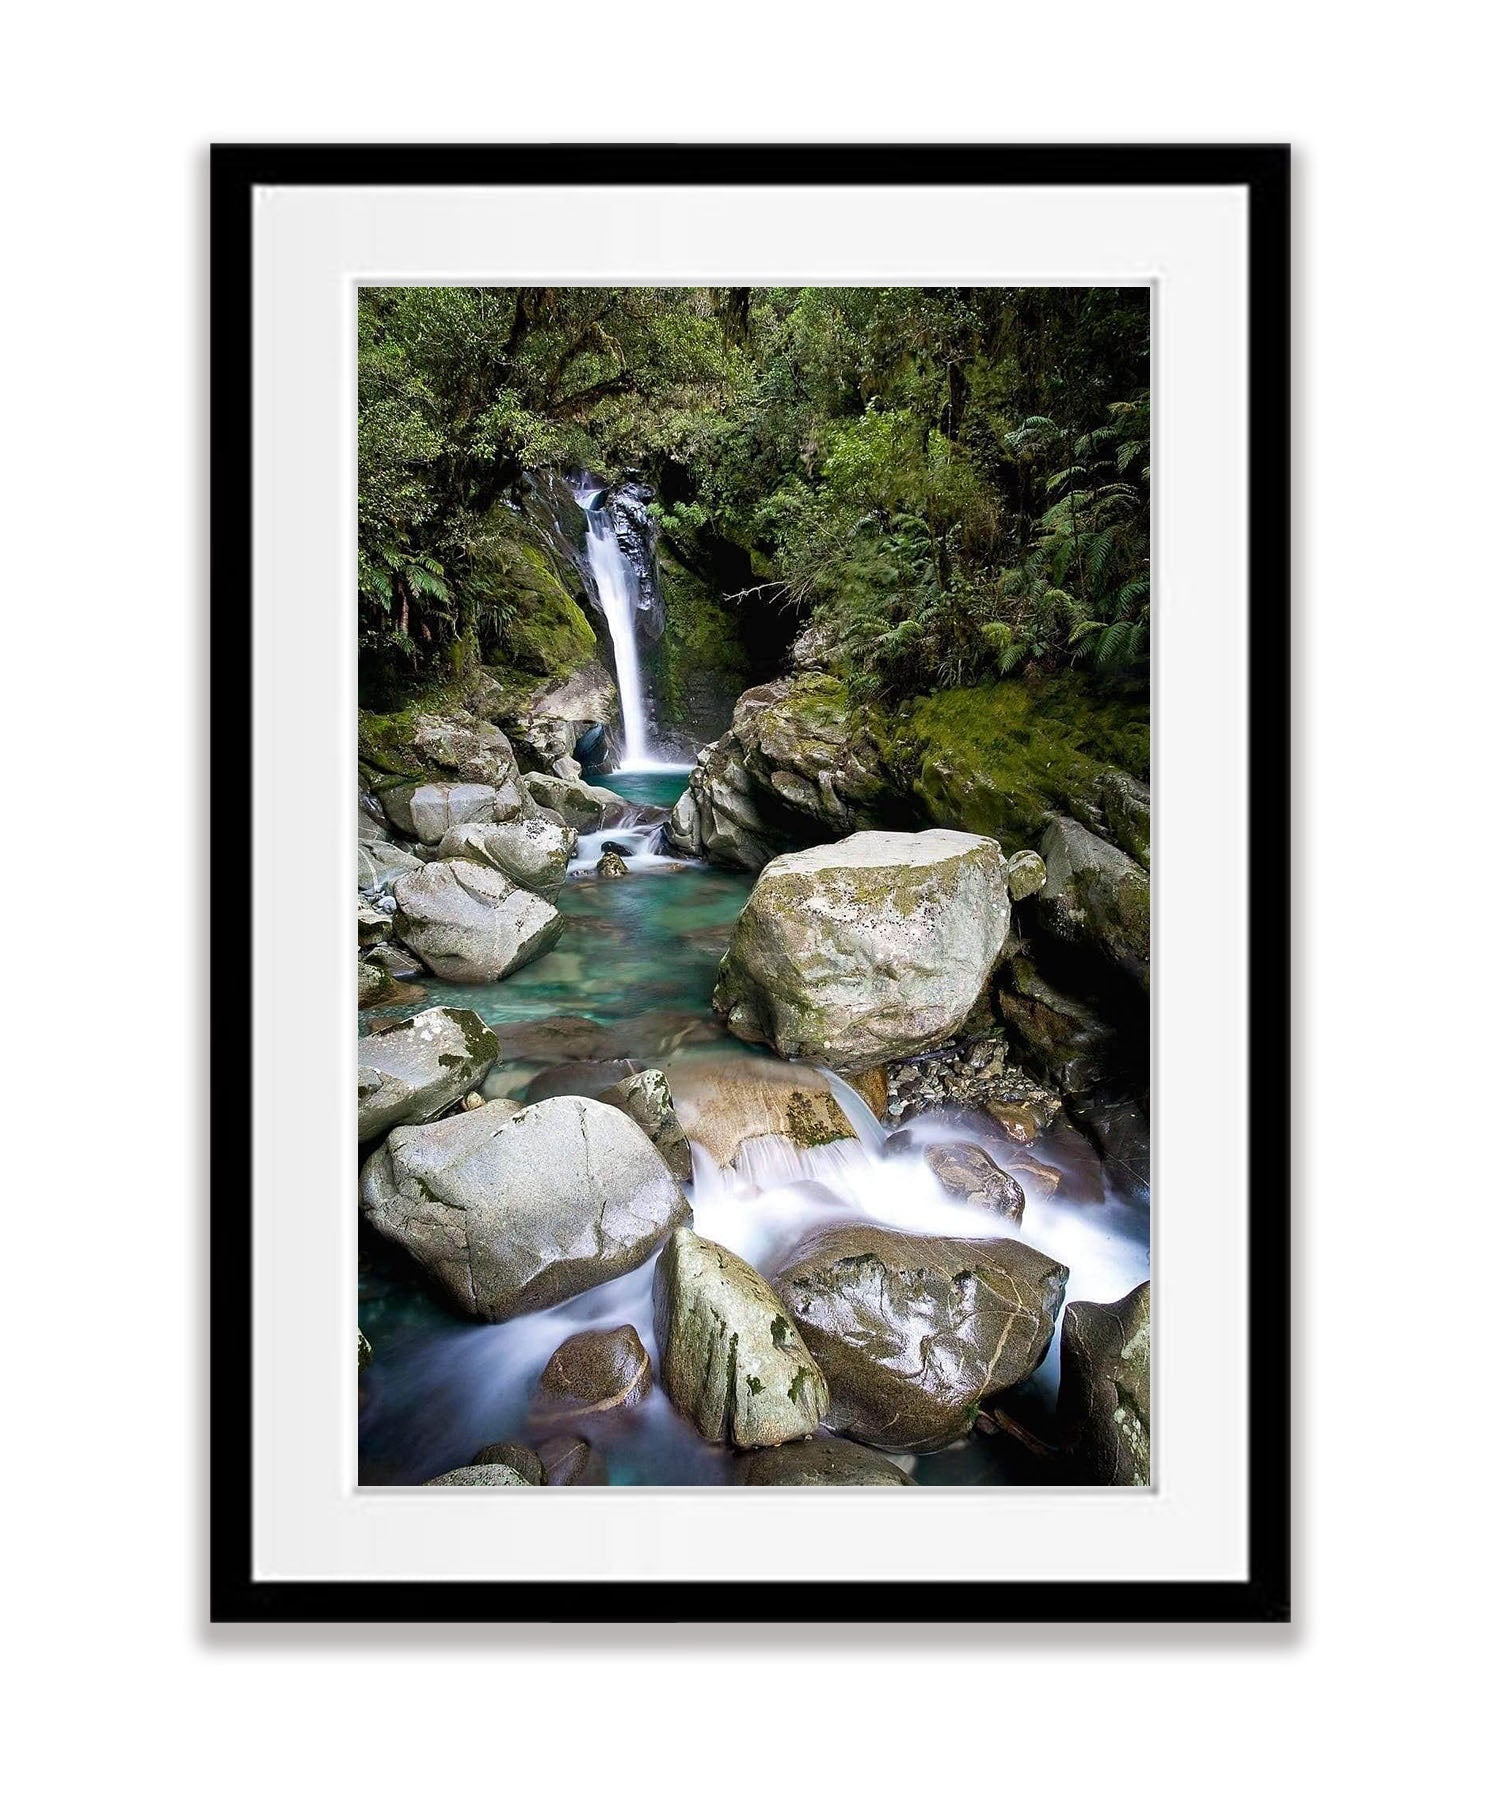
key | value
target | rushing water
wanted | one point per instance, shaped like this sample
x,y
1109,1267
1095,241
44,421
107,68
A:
x,y
619,596
631,978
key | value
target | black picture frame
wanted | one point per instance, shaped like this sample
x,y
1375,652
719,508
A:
x,y
1263,171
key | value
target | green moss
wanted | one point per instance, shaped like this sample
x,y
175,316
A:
x,y
699,666
996,759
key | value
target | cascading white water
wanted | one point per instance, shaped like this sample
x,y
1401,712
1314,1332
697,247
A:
x,y
619,598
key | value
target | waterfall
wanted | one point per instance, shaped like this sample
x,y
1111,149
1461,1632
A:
x,y
619,599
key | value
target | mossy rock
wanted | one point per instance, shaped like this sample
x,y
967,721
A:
x,y
548,634
699,666
998,759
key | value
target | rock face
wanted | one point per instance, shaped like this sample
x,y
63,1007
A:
x,y
1104,1398
913,1332
594,1372
796,766
469,922
611,866
820,1462
481,1475
579,805
1096,896
1126,806
876,947
647,1098
533,853
731,1359
508,1212
725,1102
420,1066
970,1173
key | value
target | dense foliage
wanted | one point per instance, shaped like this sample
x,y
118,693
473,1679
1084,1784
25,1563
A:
x,y
950,483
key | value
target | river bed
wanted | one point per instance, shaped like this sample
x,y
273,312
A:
x,y
632,978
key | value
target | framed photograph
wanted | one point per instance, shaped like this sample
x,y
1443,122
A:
x,y
766,983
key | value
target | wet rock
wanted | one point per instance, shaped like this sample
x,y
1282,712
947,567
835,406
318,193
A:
x,y
647,1098
1039,1181
913,1332
589,1078
1022,1108
873,1087
533,853
872,948
819,1462
1121,1132
970,1173
1104,1396
1098,897
583,807
731,1360
526,1463
509,1212
420,1066
611,866
480,1475
571,1462
468,922
366,1352
726,1102
594,1372
1025,874
568,1036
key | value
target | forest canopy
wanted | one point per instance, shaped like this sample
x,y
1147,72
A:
x,y
950,484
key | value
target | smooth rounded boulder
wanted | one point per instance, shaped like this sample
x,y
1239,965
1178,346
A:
x,y
969,1172
593,1372
469,922
913,1332
875,947
731,1360
533,853
427,809
647,1098
581,805
819,1462
480,1475
1104,1394
509,1212
420,1066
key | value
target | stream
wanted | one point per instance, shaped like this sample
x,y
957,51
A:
x,y
632,978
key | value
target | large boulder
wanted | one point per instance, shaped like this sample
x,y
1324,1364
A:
x,y
797,765
533,853
420,1066
647,1098
731,1360
725,1102
414,746
520,1457
1125,804
560,716
468,922
1096,896
1104,1396
509,1212
577,803
481,1475
876,947
593,1372
913,1332
428,810
819,1462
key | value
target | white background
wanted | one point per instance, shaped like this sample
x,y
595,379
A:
x,y
1382,1685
